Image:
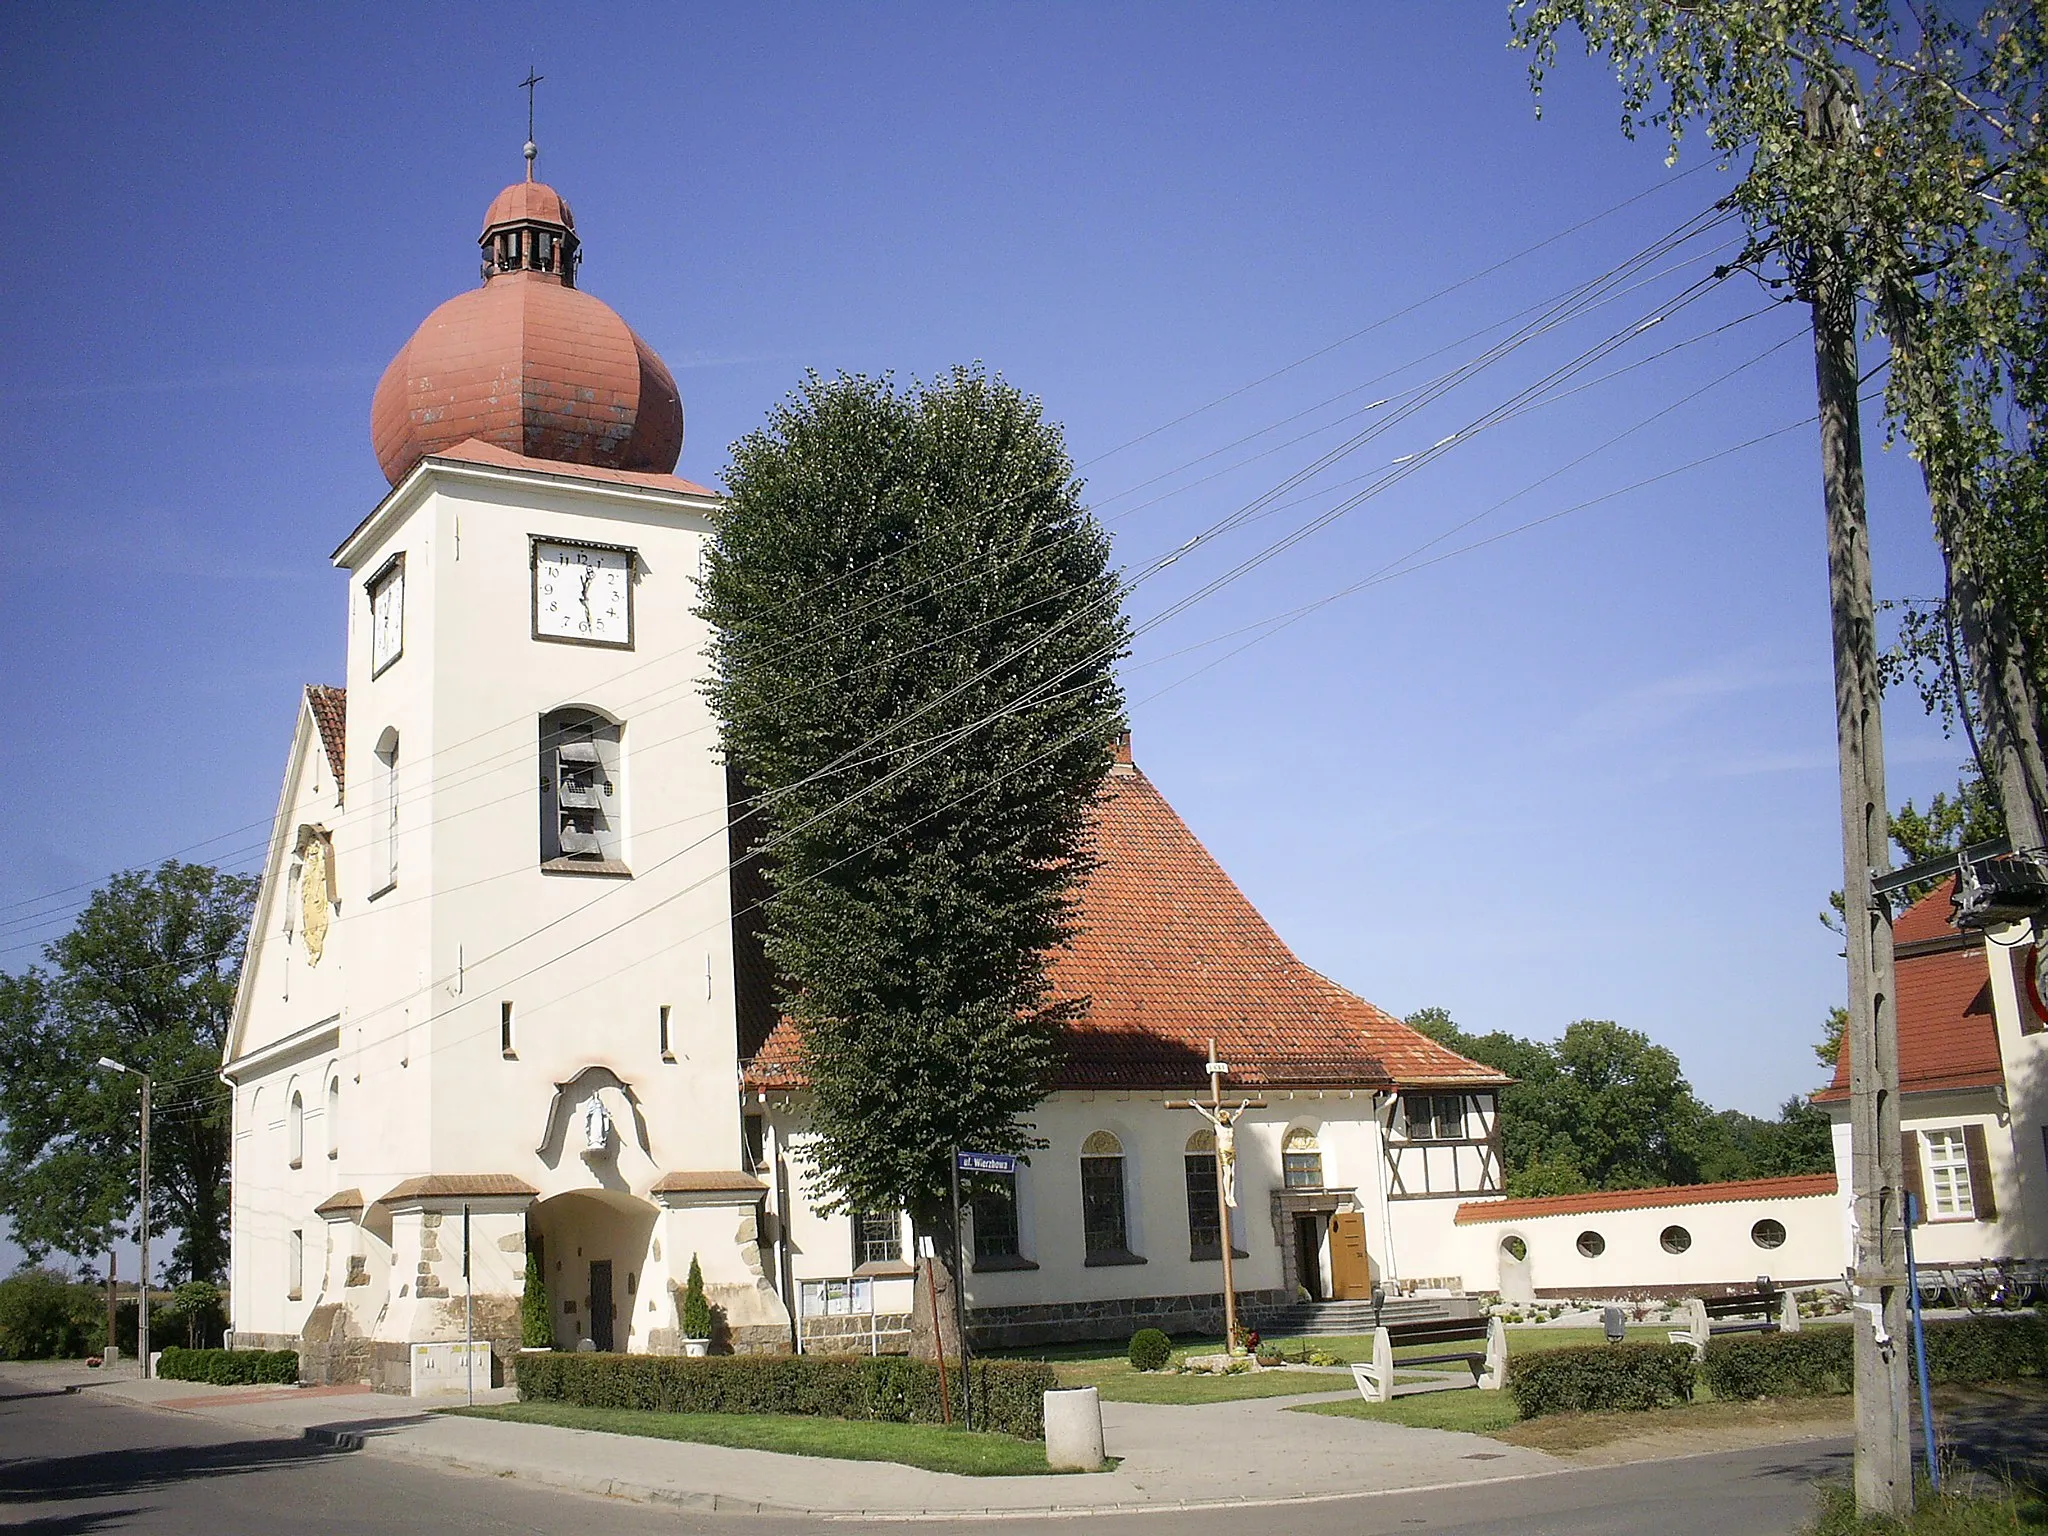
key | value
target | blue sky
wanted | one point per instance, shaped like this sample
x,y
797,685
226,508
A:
x,y
1584,770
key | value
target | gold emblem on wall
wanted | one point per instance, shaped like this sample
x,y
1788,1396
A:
x,y
316,889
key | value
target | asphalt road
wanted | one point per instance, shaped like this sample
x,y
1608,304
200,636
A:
x,y
73,1464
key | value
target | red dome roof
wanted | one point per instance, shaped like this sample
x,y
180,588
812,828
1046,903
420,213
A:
x,y
528,362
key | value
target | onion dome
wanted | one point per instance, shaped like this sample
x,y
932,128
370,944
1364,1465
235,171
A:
x,y
528,362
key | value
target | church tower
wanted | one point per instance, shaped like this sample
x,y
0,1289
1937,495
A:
x,y
491,970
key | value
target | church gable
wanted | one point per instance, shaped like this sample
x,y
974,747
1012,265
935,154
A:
x,y
290,972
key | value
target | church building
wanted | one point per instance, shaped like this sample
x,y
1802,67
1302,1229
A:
x,y
504,1000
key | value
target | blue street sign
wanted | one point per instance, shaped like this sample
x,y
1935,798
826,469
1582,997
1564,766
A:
x,y
985,1162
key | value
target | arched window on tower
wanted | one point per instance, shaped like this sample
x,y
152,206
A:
x,y
334,1116
582,802
387,764
295,1129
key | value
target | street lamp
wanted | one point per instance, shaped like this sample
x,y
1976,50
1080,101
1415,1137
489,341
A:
x,y
142,1310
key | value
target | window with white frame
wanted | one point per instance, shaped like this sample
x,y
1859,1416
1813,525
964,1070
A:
x,y
877,1238
1434,1116
1301,1159
1948,1174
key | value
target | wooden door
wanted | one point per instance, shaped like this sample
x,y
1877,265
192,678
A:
x,y
1350,1268
601,1312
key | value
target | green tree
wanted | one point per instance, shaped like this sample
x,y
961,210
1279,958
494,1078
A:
x,y
536,1313
1933,190
1830,1048
146,976
916,628
45,1316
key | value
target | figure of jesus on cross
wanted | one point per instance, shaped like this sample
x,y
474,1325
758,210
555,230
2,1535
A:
x,y
1223,1120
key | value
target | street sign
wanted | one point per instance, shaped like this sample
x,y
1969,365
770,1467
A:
x,y
985,1162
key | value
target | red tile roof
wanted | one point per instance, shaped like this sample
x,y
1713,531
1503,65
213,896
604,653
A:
x,y
1169,953
330,714
1948,1034
1791,1187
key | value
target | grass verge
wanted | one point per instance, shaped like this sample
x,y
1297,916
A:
x,y
1948,1513
930,1446
1478,1413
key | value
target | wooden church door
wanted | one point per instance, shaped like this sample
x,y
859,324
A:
x,y
601,1305
1350,1268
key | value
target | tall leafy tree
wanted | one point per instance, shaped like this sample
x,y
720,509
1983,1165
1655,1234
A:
x,y
916,629
146,976
1935,194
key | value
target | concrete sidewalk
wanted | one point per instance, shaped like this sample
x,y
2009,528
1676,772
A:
x,y
1214,1454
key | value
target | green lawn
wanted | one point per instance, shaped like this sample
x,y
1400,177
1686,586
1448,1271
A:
x,y
1102,1365
931,1446
1949,1513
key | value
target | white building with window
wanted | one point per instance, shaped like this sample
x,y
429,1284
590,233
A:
x,y
1973,1082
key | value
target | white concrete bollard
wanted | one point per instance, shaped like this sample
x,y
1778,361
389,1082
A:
x,y
1073,1430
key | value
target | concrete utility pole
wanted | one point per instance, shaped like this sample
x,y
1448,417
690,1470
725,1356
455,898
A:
x,y
142,1304
1884,1455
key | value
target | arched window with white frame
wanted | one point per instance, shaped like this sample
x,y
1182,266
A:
x,y
334,1115
295,1129
1105,1212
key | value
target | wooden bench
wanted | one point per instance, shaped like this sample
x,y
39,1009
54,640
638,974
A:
x,y
1485,1368
1763,1310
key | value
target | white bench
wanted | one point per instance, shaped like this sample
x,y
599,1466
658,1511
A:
x,y
1758,1311
1486,1369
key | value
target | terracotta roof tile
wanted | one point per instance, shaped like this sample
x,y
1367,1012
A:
x,y
1948,1035
330,714
1168,954
1791,1187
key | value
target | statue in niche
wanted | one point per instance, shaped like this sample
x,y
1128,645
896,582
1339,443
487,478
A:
x,y
315,854
597,1126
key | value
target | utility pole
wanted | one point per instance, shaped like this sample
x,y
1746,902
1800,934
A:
x,y
1884,1455
142,1300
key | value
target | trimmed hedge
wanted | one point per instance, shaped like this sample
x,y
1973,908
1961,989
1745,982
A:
x,y
230,1367
1009,1395
1600,1377
1817,1362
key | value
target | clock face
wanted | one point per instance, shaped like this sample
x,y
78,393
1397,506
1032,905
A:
x,y
582,592
387,616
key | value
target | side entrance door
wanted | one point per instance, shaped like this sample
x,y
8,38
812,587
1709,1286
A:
x,y
601,1304
1350,1269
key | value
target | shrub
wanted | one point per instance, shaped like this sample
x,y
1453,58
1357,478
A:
x,y
696,1310
230,1367
1600,1377
44,1316
1009,1395
536,1316
1150,1349
1819,1361
195,1310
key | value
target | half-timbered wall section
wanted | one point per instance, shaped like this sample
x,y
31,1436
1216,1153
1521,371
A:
x,y
1442,1143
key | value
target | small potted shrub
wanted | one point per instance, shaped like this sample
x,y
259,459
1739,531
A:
x,y
696,1312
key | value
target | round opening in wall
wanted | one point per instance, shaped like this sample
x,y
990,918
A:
x,y
1515,1249
1675,1239
1768,1233
1592,1244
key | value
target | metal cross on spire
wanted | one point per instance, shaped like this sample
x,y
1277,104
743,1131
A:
x,y
527,86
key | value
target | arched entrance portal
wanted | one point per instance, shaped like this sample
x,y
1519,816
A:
x,y
595,1247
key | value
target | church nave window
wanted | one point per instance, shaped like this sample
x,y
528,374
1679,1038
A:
x,y
1105,1225
581,807
993,1202
1301,1159
1205,1228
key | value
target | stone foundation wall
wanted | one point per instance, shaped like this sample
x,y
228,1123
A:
x,y
850,1334
1065,1322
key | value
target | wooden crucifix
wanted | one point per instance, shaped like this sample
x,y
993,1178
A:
x,y
1222,1119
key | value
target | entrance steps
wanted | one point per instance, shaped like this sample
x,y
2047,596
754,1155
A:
x,y
1311,1318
